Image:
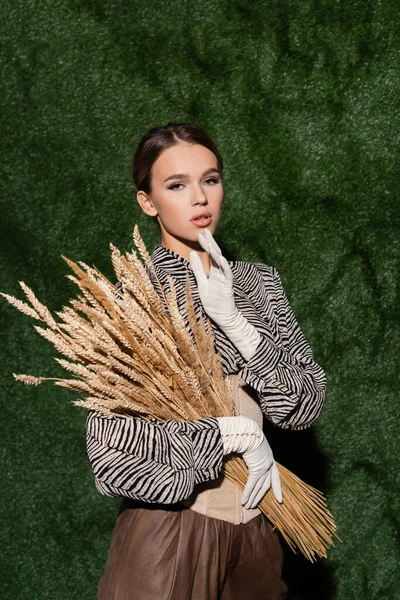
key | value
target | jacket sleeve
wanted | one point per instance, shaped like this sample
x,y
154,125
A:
x,y
289,383
152,460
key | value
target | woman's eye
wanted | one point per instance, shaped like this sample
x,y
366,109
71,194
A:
x,y
209,181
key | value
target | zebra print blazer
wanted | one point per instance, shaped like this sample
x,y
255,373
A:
x,y
161,462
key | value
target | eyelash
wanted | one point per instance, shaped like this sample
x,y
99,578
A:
x,y
214,179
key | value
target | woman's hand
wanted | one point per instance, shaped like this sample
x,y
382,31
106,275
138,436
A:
x,y
263,474
242,435
216,295
215,291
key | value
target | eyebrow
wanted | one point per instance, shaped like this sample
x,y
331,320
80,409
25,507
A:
x,y
186,176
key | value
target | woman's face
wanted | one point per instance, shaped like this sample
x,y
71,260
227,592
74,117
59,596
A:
x,y
185,182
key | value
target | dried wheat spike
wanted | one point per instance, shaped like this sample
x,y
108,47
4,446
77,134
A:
x,y
30,379
140,245
22,306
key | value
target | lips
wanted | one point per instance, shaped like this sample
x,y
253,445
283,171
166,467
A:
x,y
205,214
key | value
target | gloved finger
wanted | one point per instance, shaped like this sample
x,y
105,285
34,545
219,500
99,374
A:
x,y
214,266
197,268
214,249
211,249
276,483
218,258
251,482
204,242
210,238
251,501
226,269
263,490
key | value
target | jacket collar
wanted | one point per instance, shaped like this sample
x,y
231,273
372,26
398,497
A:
x,y
171,262
178,267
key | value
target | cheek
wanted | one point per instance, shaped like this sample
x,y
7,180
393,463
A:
x,y
170,205
217,194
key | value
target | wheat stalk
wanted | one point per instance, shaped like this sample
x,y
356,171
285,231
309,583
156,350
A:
x,y
134,354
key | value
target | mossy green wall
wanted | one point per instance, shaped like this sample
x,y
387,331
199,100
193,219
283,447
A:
x,y
302,98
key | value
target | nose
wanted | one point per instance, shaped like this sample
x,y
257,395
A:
x,y
199,197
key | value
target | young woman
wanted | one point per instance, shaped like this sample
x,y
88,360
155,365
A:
x,y
184,532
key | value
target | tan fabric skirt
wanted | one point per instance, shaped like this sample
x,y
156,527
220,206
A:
x,y
170,552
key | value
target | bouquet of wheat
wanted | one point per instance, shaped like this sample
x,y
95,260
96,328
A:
x,y
131,355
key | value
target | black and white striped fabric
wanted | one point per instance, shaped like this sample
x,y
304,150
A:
x,y
153,461
162,462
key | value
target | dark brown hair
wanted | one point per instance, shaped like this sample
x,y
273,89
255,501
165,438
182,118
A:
x,y
160,138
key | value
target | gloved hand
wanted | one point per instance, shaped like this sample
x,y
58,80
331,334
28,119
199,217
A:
x,y
216,295
243,435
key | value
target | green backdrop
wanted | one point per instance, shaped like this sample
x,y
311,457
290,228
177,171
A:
x,y
302,98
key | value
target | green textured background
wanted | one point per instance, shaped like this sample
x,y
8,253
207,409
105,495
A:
x,y
302,98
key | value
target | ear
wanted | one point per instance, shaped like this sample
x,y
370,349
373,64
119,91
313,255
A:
x,y
146,204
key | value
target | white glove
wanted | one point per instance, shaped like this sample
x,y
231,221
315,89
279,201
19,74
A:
x,y
216,295
243,435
